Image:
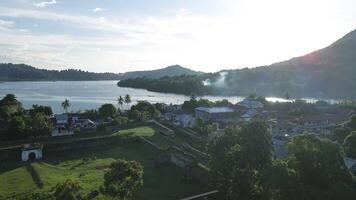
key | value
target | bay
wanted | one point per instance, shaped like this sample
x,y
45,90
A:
x,y
84,95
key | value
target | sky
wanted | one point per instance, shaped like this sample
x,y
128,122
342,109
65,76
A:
x,y
205,35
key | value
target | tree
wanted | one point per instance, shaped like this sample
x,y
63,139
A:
x,y
127,100
350,145
320,165
91,114
40,109
120,101
339,134
257,143
352,122
9,99
121,121
107,110
280,181
135,114
9,106
16,128
67,190
238,159
146,109
41,125
66,105
123,179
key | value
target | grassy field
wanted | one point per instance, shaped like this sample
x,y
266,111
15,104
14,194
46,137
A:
x,y
88,168
149,133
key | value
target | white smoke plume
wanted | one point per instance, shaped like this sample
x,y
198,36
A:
x,y
220,82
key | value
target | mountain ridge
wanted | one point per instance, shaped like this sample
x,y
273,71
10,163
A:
x,y
172,70
23,72
326,73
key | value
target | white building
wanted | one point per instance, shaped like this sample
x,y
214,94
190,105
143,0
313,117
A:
x,y
31,152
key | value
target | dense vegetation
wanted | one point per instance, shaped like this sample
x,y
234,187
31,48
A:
x,y
16,124
179,84
327,73
243,168
22,72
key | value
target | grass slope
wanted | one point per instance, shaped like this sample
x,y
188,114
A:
x,y
159,183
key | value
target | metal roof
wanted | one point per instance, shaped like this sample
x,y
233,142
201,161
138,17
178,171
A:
x,y
215,109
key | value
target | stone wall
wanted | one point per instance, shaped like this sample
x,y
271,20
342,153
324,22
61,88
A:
x,y
197,173
175,156
63,147
10,154
85,143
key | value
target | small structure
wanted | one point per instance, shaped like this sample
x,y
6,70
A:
x,y
251,104
61,125
349,162
31,152
250,114
84,124
215,113
184,120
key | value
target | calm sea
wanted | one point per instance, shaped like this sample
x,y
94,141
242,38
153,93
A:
x,y
89,94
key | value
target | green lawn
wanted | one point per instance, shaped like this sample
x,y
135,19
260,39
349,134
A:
x,y
144,131
159,183
148,133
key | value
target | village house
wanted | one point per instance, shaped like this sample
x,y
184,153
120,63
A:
x,y
65,124
213,113
84,124
250,104
61,125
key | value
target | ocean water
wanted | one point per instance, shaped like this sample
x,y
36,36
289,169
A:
x,y
84,95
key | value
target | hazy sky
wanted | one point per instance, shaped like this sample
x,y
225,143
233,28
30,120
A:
x,y
207,35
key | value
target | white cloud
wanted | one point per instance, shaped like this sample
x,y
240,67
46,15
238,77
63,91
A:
x,y
4,24
255,36
44,4
98,10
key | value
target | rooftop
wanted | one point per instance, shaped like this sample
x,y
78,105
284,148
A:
x,y
215,109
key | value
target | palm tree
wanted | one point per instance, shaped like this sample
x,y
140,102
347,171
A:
x,y
120,101
66,105
127,100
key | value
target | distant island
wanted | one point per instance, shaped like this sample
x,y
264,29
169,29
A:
x,y
174,70
326,73
22,72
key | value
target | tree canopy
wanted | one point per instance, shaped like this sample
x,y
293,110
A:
x,y
123,179
350,145
107,110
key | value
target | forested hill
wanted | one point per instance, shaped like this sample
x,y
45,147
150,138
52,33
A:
x,y
22,72
326,73
174,70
